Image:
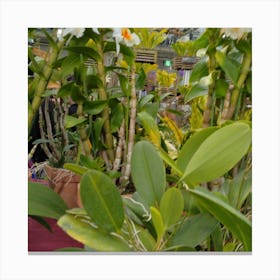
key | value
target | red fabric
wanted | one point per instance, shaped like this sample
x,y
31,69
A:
x,y
42,240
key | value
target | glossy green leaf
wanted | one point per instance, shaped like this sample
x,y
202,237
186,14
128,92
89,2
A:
x,y
157,222
148,173
75,168
95,107
86,51
146,239
141,80
71,121
145,99
117,116
231,218
151,128
221,88
196,91
218,153
65,90
199,70
102,200
82,231
171,207
194,231
239,188
43,201
229,65
192,145
93,82
69,63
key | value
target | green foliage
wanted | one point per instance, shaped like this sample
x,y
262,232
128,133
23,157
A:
x,y
150,39
102,201
43,201
148,173
238,224
218,153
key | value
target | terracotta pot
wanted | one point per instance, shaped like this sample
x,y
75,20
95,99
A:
x,y
65,183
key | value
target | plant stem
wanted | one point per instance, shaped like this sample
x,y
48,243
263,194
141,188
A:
x,y
207,115
83,134
103,96
43,81
245,68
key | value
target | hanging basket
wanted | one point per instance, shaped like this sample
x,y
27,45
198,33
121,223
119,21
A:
x,y
65,183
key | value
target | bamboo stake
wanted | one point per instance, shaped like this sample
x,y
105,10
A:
x,y
103,96
245,68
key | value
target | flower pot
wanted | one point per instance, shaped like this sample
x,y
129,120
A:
x,y
65,183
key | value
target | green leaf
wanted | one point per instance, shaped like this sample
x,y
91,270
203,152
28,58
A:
x,y
43,201
221,87
69,63
171,207
194,231
199,70
65,90
102,200
95,107
117,116
240,188
217,239
86,51
72,121
157,222
196,91
231,218
141,80
145,99
192,145
94,238
229,65
76,94
218,153
148,173
93,82
146,238
75,168
151,127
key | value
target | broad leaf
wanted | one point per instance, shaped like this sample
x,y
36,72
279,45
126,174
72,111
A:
x,y
86,51
194,231
102,200
94,238
199,70
75,168
196,91
43,201
72,121
171,207
157,222
231,218
230,66
148,173
221,87
95,107
151,128
192,145
218,153
239,188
